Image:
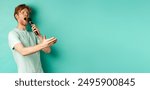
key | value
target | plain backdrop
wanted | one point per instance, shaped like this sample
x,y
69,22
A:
x,y
94,36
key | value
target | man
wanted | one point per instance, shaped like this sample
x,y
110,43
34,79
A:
x,y
25,45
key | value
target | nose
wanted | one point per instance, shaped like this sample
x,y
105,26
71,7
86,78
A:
x,y
25,14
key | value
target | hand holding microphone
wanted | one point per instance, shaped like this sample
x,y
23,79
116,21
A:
x,y
37,32
33,26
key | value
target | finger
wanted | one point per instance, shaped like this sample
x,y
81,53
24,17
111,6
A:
x,y
44,37
33,25
35,31
51,37
50,43
55,41
52,40
33,28
48,40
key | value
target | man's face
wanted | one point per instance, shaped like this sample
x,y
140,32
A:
x,y
24,13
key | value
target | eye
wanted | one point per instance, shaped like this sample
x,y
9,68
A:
x,y
22,12
28,13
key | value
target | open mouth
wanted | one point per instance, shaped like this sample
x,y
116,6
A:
x,y
25,19
28,20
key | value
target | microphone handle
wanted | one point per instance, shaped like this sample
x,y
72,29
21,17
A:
x,y
31,23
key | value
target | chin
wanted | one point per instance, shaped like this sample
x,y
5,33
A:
x,y
24,24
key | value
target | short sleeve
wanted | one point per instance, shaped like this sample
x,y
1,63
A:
x,y
13,39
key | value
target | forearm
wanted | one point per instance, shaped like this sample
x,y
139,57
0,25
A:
x,y
30,50
47,50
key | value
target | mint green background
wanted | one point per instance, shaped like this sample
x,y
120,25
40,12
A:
x,y
93,35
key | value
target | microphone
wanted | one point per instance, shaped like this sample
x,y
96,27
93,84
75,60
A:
x,y
31,23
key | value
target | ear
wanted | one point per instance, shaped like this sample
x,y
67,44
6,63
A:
x,y
16,16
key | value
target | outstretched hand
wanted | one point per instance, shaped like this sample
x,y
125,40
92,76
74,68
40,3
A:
x,y
48,42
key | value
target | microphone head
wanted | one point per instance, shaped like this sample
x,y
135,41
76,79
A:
x,y
30,21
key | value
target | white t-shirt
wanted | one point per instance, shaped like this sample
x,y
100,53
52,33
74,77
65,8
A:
x,y
26,64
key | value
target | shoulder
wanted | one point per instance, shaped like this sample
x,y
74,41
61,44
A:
x,y
14,32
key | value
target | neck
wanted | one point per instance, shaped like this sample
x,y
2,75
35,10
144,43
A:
x,y
21,27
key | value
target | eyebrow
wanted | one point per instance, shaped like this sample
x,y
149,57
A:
x,y
25,11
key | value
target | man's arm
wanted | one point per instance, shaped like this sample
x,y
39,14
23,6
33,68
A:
x,y
47,49
30,50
